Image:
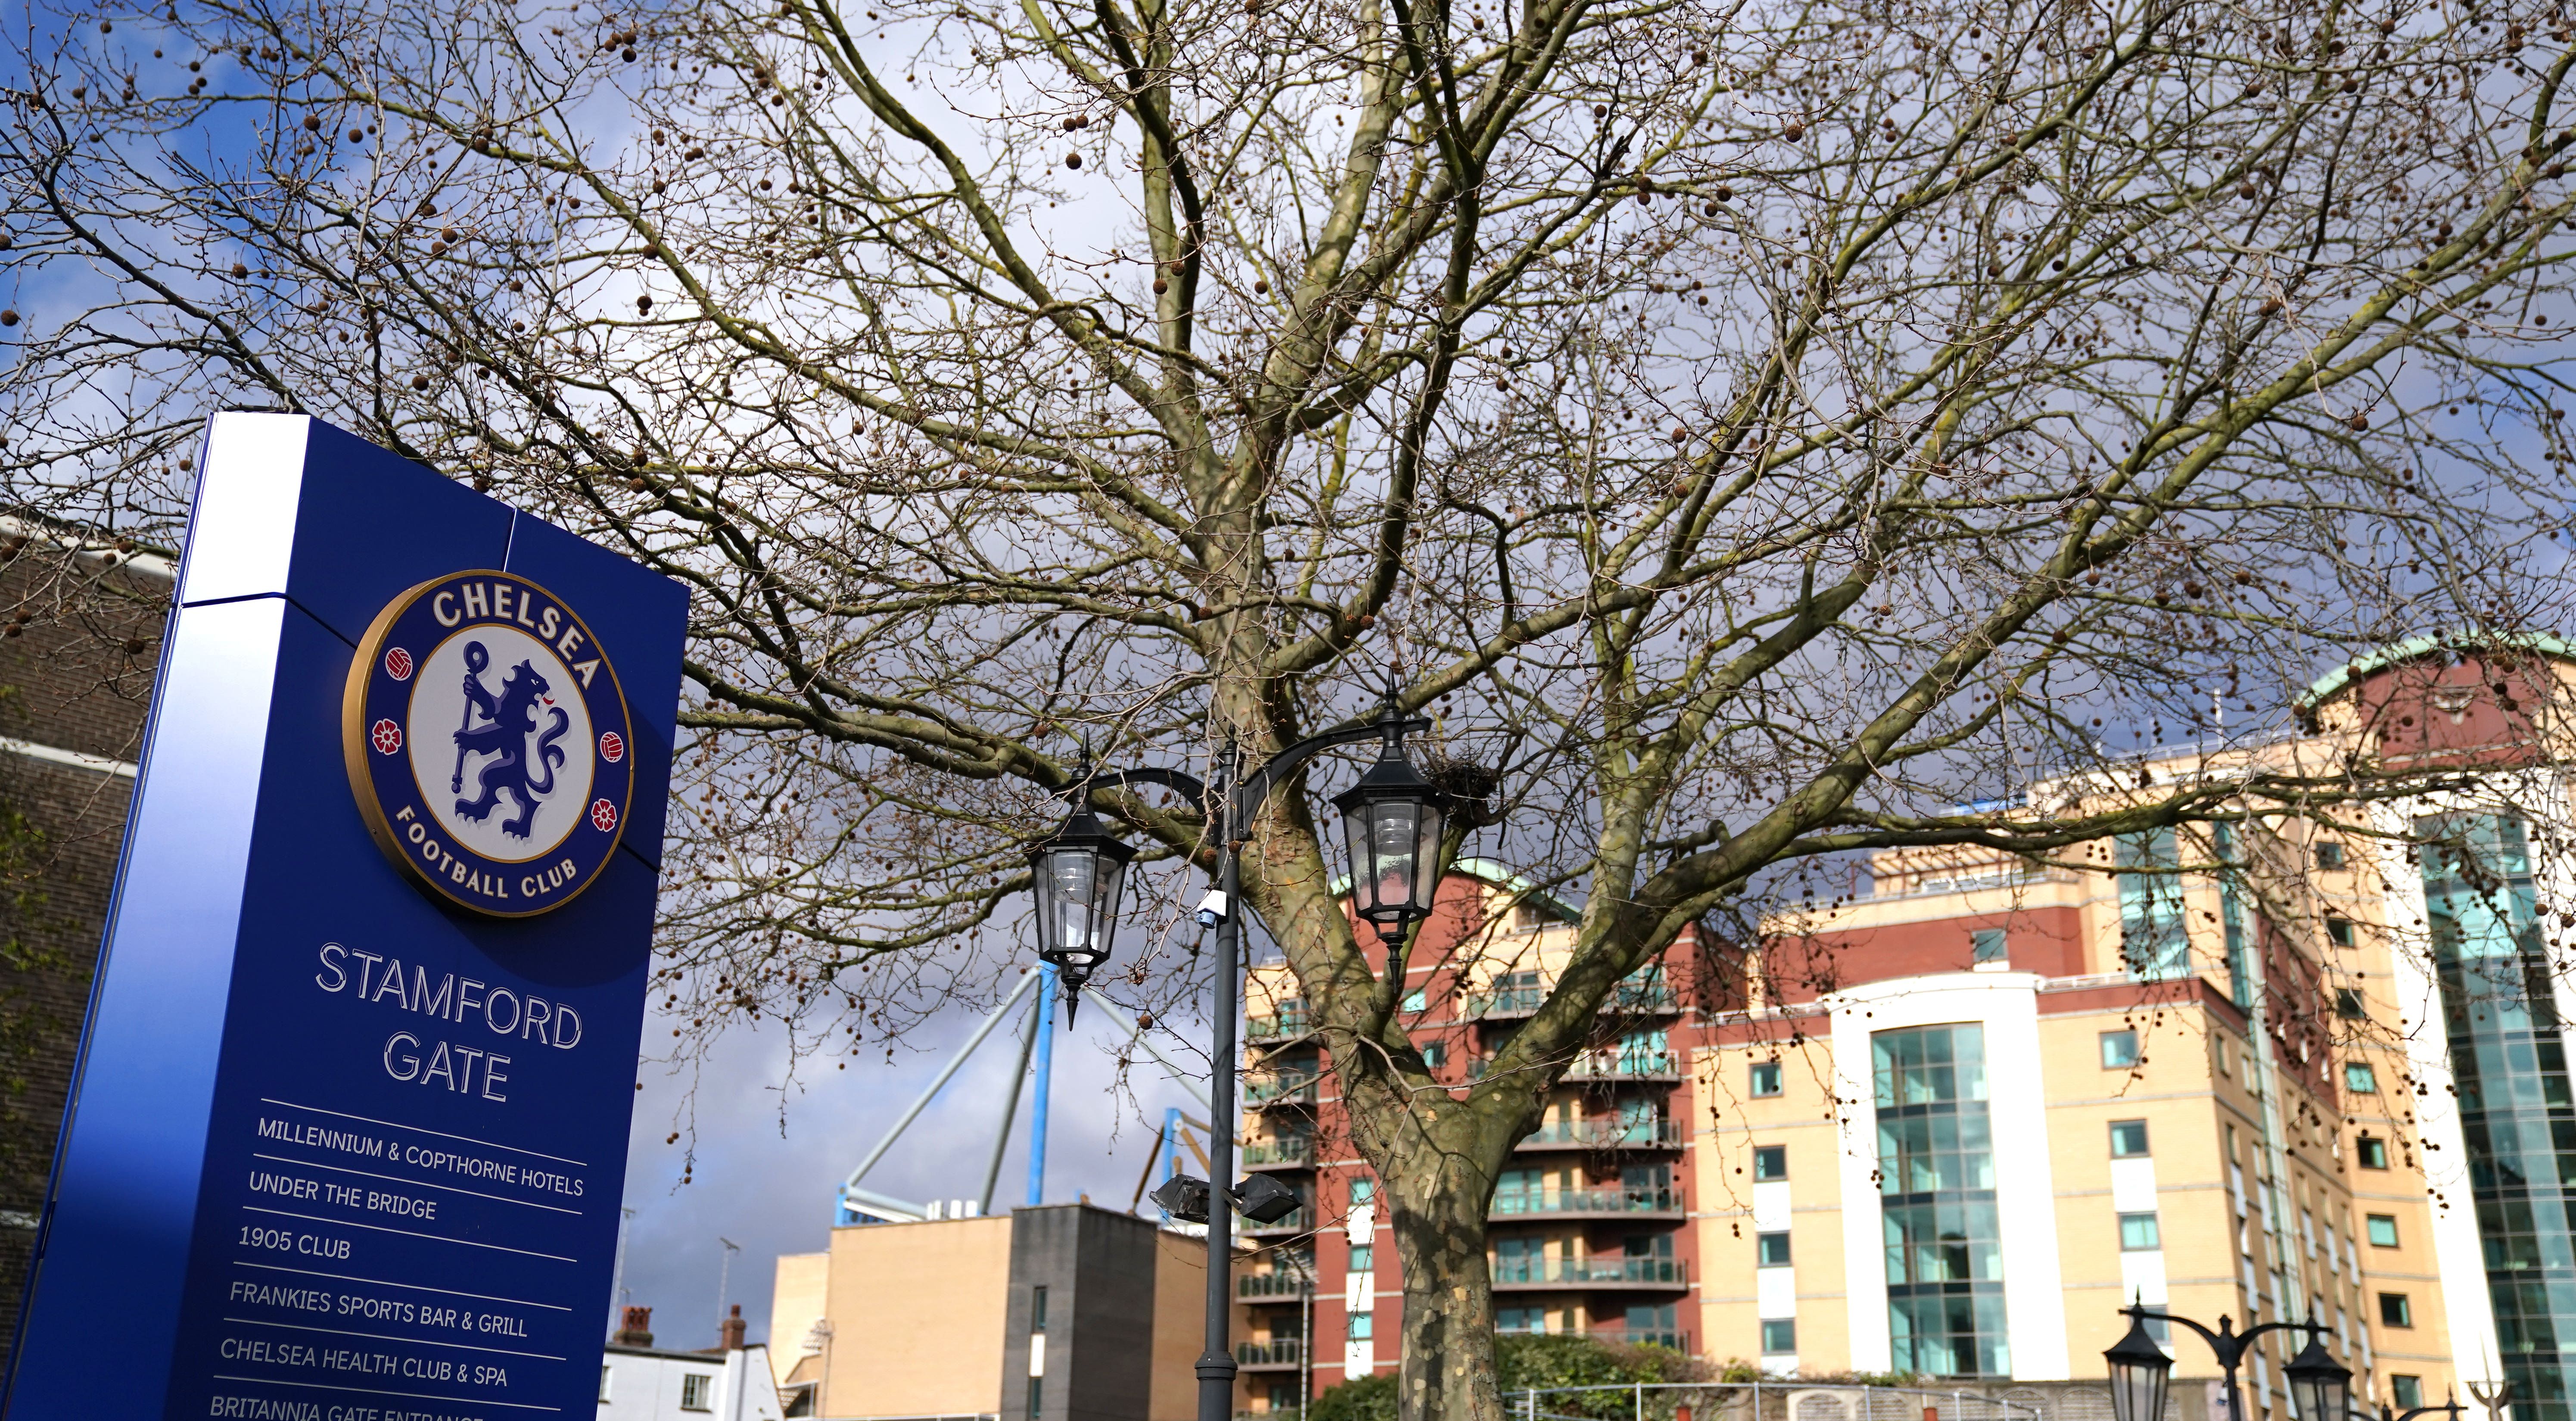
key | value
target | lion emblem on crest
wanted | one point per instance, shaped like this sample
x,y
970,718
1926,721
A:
x,y
509,720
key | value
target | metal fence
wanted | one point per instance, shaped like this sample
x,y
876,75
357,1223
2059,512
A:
x,y
1780,1400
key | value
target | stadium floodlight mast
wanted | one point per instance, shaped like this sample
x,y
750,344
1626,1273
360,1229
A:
x,y
1393,820
2320,1386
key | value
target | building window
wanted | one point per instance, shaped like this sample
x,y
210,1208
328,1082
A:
x,y
2339,931
1944,1241
1417,999
2348,1004
1528,917
1771,1250
2128,1138
2395,1310
1766,1078
2407,1392
1037,1396
1520,1319
1435,1054
697,1392
1362,1191
2329,854
1779,1336
2508,1059
603,1383
1987,945
2360,1078
2383,1229
2153,942
1363,1326
1770,1161
1653,1323
2138,1233
2372,1152
1037,1309
2119,1050
1363,1257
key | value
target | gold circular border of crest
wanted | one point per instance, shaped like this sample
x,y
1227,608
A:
x,y
354,744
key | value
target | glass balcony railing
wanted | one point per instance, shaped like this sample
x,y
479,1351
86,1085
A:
x,y
1286,1283
1283,1149
1511,1001
1278,1352
1653,995
1625,1066
1605,1135
1283,1025
1678,1341
1283,1089
1605,1199
1614,1270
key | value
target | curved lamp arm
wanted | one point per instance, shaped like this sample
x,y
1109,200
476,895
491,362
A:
x,y
1257,787
2229,1344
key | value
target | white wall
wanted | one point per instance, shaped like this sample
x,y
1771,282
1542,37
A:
x,y
648,1386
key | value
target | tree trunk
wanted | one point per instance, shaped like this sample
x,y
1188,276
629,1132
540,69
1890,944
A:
x,y
1439,1227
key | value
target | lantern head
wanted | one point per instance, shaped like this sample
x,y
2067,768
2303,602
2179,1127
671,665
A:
x,y
1392,821
1079,873
2320,1385
2139,1371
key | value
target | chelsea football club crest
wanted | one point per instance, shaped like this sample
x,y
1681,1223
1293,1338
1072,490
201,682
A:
x,y
488,742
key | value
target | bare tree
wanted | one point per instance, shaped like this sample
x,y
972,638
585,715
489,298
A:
x,y
1754,432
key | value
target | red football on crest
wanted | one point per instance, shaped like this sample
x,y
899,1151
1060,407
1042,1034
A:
x,y
386,735
612,746
398,664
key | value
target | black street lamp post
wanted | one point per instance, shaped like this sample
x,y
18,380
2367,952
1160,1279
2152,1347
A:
x,y
2320,1385
1393,820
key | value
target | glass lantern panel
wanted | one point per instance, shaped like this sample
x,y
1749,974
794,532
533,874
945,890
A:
x,y
2138,1393
1392,853
1426,857
1073,880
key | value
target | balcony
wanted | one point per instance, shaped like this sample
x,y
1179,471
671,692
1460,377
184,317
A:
x,y
1280,1152
1615,1336
1281,1089
1509,1002
1300,1220
1609,1201
1276,1353
1651,997
1285,1283
1666,1275
1616,1066
1283,1026
1606,1135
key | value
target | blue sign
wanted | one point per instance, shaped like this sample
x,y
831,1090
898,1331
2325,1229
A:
x,y
347,1139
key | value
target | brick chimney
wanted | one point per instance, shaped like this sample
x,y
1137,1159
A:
x,y
636,1329
729,1336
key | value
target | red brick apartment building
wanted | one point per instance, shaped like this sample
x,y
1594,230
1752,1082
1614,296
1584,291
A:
x,y
1950,1125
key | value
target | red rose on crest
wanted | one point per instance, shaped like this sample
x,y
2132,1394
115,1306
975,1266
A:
x,y
398,664
386,736
603,815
